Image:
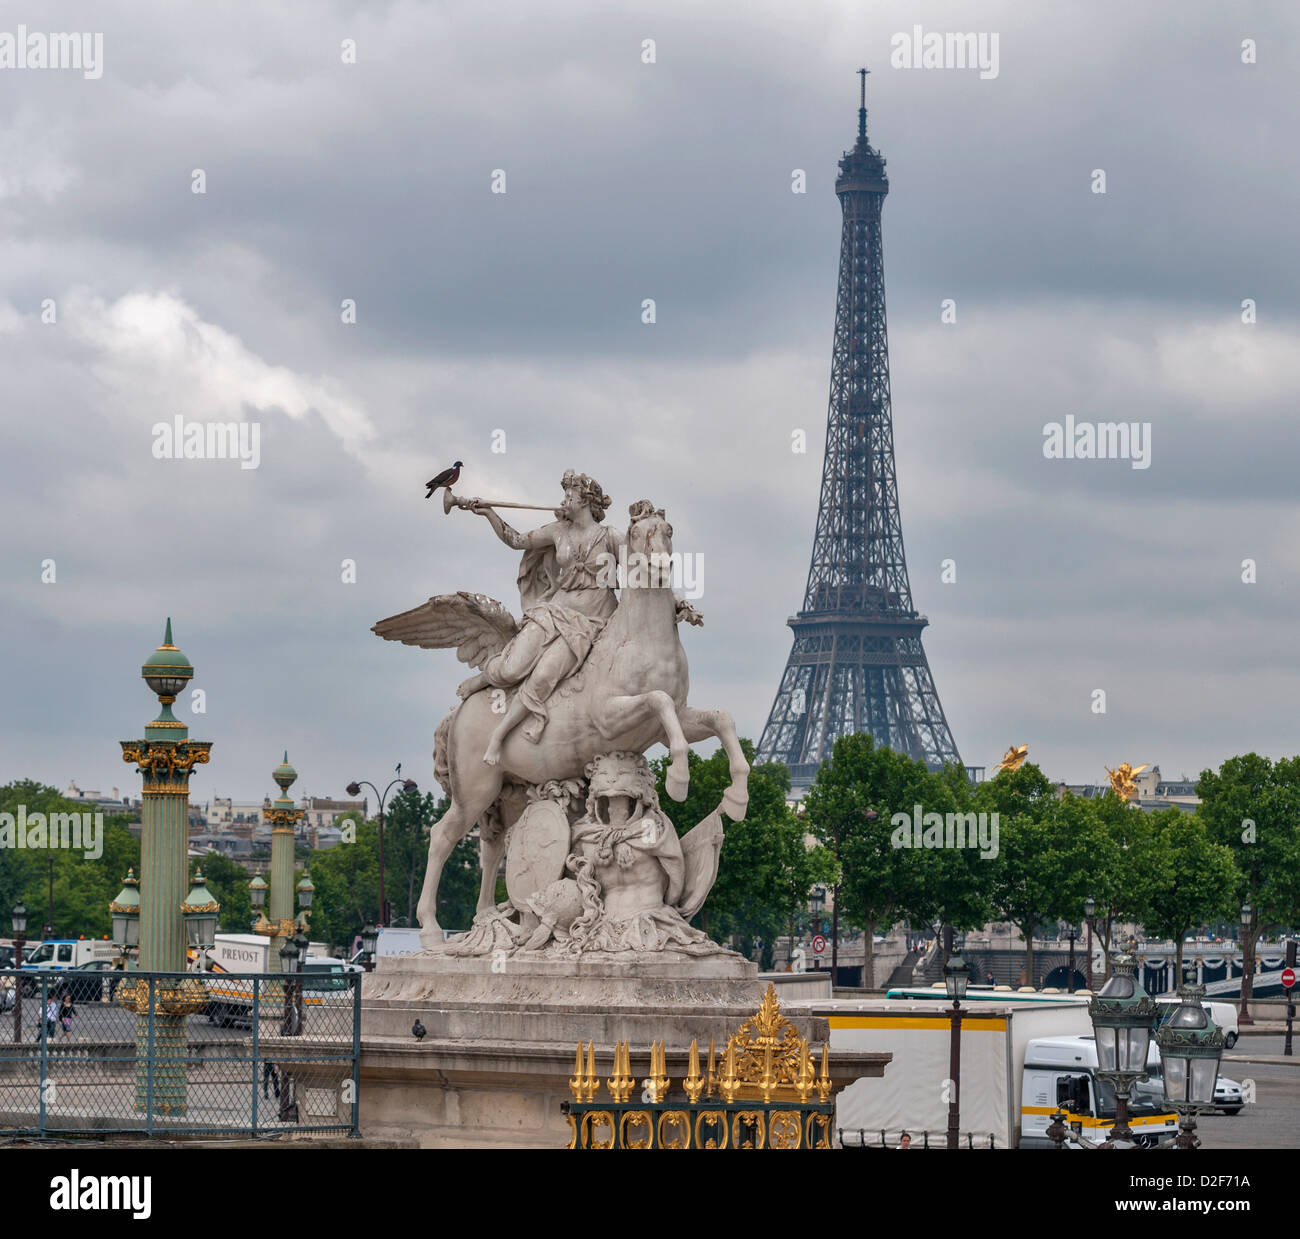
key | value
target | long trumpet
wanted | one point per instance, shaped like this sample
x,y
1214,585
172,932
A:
x,y
449,501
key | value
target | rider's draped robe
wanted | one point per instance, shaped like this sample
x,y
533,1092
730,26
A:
x,y
573,603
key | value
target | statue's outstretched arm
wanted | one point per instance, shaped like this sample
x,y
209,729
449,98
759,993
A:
x,y
512,538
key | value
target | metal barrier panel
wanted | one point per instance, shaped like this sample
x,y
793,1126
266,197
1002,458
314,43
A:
x,y
85,1051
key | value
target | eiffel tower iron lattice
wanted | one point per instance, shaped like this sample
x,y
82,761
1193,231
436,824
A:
x,y
857,662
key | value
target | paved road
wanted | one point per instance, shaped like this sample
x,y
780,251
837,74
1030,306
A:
x,y
1269,1122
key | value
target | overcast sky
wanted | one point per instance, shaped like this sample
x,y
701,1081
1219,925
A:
x,y
521,312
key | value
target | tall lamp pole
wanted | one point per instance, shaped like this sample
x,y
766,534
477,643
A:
x,y
283,818
19,916
1089,907
1247,962
955,978
165,758
354,789
1070,986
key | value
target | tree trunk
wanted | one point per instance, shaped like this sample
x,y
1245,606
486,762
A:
x,y
868,964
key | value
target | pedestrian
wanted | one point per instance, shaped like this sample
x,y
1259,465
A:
x,y
51,1018
66,1014
905,1141
270,1076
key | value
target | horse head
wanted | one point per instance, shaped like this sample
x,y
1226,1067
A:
x,y
648,532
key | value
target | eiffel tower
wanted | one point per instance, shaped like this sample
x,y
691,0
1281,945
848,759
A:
x,y
857,662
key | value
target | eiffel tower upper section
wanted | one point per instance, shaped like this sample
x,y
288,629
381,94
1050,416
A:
x,y
857,662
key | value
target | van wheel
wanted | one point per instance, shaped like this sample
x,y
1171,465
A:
x,y
1230,1040
1232,1110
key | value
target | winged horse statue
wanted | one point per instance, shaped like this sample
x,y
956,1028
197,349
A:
x,y
592,676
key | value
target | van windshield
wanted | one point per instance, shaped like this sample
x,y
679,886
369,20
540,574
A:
x,y
43,952
1146,1098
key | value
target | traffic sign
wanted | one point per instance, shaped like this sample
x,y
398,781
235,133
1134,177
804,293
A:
x,y
819,944
1288,977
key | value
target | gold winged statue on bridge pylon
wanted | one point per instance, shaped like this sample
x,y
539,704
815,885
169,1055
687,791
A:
x,y
1122,780
1013,758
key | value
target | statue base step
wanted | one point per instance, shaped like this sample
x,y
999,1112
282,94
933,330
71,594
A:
x,y
497,1050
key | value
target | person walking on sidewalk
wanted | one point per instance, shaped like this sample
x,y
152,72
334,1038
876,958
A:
x,y
66,1014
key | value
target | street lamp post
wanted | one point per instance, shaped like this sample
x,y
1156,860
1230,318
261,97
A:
x,y
1089,907
165,758
1191,1046
354,789
283,817
1070,986
1247,962
19,920
1123,1014
955,978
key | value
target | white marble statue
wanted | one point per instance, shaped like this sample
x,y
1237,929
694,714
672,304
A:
x,y
566,699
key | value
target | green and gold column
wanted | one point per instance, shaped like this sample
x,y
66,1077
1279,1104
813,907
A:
x,y
279,924
165,759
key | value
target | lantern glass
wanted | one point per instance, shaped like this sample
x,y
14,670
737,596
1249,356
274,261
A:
x,y
257,893
956,977
1089,907
19,918
1105,1048
305,892
1204,1075
1175,1079
1246,914
369,940
1133,1047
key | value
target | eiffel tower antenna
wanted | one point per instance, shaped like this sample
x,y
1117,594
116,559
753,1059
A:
x,y
857,663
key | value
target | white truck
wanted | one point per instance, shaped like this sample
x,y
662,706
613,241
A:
x,y
1018,1062
230,999
58,954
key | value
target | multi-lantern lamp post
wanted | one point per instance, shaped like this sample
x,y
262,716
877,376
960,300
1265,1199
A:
x,y
281,922
170,912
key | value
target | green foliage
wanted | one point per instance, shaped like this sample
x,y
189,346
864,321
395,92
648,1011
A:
x,y
346,876
1185,878
1048,850
82,888
1252,806
766,868
228,881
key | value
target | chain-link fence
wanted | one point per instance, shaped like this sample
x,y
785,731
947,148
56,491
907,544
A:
x,y
167,1053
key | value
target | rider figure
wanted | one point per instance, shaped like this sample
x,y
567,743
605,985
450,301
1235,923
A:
x,y
567,581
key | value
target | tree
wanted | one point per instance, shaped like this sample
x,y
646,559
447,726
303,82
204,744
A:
x,y
410,817
856,806
1045,850
766,869
228,881
1186,878
65,885
1251,807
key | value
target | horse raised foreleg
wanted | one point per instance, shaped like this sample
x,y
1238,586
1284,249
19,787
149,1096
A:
x,y
700,725
620,715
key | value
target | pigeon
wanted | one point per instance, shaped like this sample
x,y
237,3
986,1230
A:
x,y
448,477
418,1030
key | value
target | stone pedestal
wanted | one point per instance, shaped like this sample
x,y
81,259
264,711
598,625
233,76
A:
x,y
498,1048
